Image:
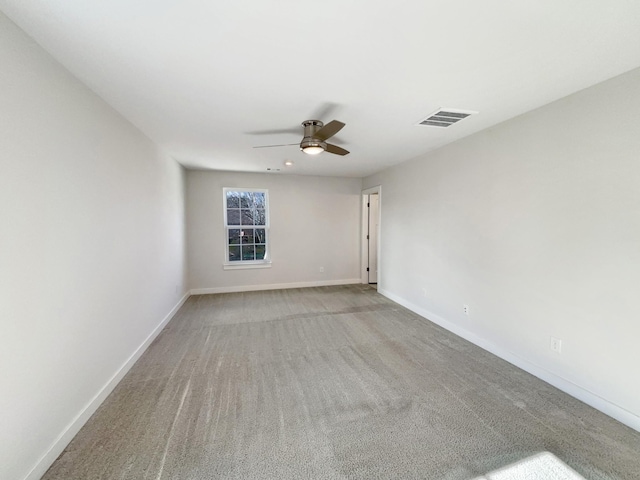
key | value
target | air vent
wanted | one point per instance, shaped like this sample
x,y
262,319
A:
x,y
445,117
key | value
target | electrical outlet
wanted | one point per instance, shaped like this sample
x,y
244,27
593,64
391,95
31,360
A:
x,y
321,269
556,345
465,309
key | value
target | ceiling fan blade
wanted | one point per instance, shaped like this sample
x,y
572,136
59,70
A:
x,y
336,149
283,145
329,130
278,131
326,110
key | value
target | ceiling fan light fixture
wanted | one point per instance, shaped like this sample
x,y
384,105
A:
x,y
311,146
312,149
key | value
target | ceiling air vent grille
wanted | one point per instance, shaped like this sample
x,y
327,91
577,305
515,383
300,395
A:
x,y
445,117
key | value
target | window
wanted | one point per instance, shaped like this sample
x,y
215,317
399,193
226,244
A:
x,y
246,218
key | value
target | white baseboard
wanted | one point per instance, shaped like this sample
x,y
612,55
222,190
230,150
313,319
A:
x,y
273,286
77,423
576,391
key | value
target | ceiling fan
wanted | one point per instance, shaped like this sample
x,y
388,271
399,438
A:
x,y
316,134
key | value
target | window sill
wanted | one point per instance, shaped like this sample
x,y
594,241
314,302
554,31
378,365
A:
x,y
245,266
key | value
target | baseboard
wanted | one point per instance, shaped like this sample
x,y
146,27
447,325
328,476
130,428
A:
x,y
78,422
273,286
576,391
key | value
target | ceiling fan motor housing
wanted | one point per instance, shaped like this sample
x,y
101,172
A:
x,y
308,142
311,127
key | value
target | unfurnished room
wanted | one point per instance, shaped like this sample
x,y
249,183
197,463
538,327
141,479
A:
x,y
319,240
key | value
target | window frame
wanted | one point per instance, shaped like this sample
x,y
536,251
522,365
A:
x,y
243,264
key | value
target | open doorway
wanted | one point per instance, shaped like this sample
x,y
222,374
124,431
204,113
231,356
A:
x,y
370,235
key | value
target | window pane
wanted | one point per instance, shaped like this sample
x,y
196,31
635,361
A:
x,y
233,199
248,252
260,236
234,236
261,218
260,251
246,199
234,254
233,217
247,216
259,200
247,235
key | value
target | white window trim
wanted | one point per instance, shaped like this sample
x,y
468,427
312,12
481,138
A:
x,y
245,264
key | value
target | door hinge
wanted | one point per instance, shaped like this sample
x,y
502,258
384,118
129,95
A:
x,y
367,237
368,205
367,269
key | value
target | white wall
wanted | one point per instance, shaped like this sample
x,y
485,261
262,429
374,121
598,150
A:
x,y
315,222
535,224
92,251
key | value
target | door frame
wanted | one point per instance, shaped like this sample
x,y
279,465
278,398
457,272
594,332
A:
x,y
364,245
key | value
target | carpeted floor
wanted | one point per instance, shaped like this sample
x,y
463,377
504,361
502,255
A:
x,y
331,383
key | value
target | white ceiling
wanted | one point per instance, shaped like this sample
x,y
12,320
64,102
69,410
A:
x,y
199,76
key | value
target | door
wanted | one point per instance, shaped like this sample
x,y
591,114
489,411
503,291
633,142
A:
x,y
372,237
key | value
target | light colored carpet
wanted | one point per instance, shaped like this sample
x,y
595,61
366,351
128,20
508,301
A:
x,y
331,383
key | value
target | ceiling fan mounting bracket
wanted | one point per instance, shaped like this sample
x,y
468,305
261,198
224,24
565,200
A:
x,y
311,127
